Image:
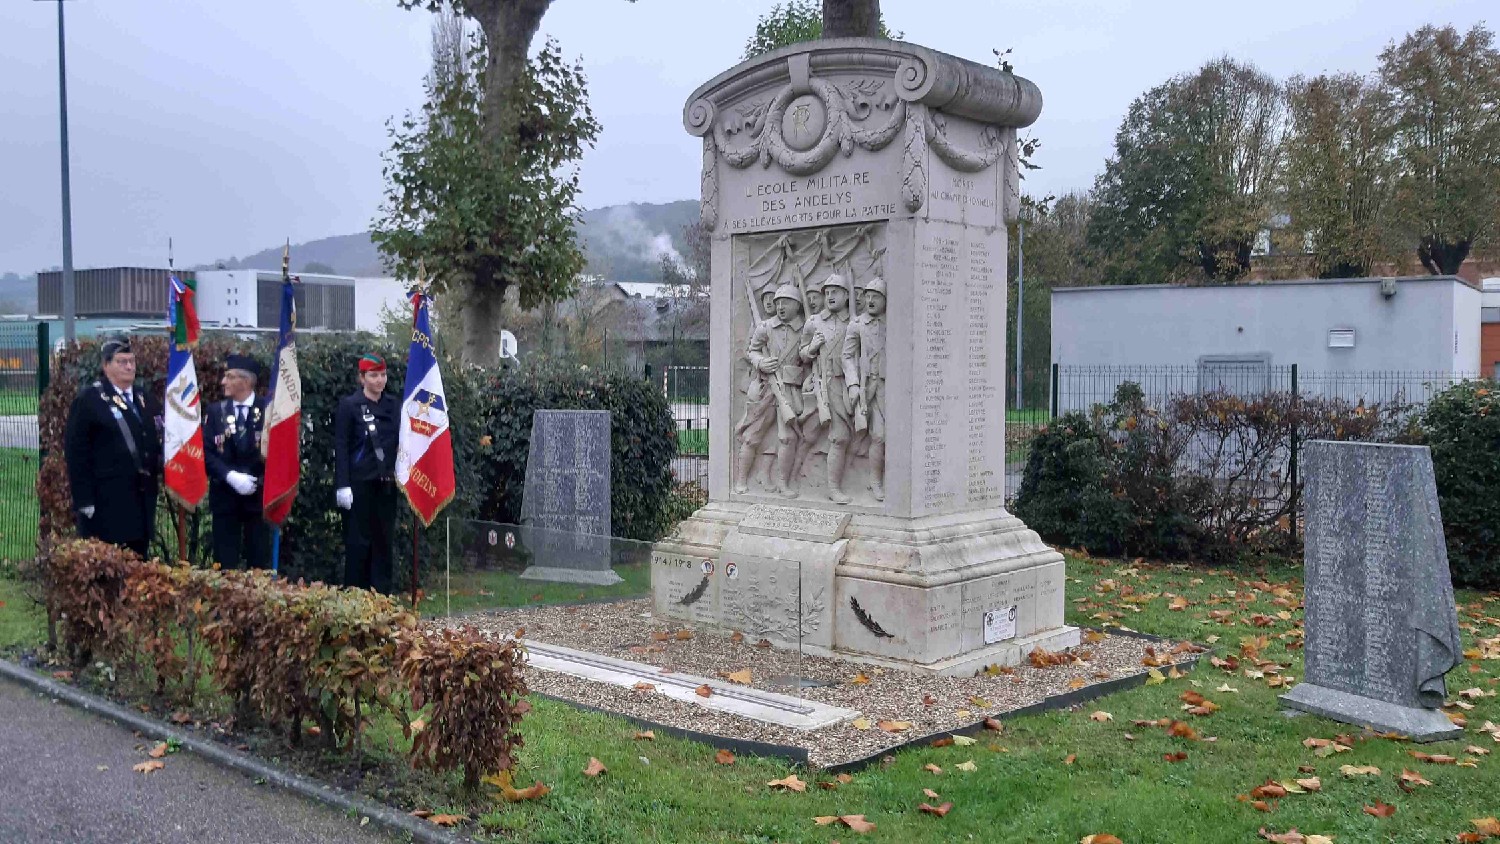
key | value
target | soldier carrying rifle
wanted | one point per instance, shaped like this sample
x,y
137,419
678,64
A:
x,y
775,394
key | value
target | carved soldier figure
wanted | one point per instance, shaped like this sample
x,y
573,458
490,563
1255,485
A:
x,y
814,302
823,349
775,396
768,304
864,372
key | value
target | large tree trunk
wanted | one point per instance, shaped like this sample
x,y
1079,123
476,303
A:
x,y
481,321
508,26
851,18
1441,257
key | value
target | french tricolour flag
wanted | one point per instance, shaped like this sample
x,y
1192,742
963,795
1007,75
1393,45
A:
x,y
186,477
424,459
281,445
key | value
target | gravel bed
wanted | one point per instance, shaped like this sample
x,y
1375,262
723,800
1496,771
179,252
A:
x,y
623,630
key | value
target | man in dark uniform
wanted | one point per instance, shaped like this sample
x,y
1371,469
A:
x,y
113,450
364,468
231,444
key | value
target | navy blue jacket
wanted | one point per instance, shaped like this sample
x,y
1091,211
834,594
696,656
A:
x,y
231,447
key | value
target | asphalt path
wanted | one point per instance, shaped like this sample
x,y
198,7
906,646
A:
x,y
68,779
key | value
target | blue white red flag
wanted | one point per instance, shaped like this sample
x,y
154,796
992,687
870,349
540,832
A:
x,y
424,458
281,444
182,430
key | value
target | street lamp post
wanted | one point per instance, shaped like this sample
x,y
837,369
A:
x,y
70,305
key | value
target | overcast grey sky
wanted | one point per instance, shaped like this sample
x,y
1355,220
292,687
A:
x,y
230,126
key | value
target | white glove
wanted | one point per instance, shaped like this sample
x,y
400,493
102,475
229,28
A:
x,y
88,512
242,483
344,497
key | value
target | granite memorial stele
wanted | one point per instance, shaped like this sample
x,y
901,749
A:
x,y
858,192
1381,628
565,503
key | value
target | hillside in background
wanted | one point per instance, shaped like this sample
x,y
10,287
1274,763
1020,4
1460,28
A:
x,y
620,242
17,294
626,242
347,254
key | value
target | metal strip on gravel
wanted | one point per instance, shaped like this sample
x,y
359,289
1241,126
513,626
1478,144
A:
x,y
765,706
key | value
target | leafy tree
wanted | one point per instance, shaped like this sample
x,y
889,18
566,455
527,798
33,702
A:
x,y
1057,255
796,21
1340,172
318,267
1192,177
481,186
1445,88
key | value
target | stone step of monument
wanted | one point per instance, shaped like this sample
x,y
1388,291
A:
x,y
772,708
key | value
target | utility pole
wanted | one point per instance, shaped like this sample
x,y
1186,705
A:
x,y
70,304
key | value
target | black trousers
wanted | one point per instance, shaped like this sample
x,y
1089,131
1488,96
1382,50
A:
x,y
369,531
241,540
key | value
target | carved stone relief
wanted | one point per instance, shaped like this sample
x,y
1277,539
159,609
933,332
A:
x,y
810,403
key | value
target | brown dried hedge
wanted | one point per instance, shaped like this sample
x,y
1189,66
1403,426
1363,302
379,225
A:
x,y
286,652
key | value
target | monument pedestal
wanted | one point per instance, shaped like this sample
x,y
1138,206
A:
x,y
944,595
1415,722
858,191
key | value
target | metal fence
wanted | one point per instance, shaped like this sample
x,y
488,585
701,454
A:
x,y
1078,388
686,389
23,376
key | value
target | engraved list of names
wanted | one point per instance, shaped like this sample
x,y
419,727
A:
x,y
1356,607
960,405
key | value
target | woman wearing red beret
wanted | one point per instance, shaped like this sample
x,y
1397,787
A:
x,y
364,468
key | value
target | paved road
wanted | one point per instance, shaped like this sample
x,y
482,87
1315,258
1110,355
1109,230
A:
x,y
67,779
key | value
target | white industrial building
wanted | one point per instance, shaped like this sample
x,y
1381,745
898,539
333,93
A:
x,y
1247,336
252,299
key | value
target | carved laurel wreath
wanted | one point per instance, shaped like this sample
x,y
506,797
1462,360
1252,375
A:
x,y
843,131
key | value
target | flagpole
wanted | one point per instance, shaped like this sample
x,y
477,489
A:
x,y
416,525
416,522
286,263
177,508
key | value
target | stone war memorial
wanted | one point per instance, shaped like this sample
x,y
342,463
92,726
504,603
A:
x,y
565,503
858,192
1381,625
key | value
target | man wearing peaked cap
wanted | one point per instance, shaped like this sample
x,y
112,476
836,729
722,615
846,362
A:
x,y
113,450
365,439
232,430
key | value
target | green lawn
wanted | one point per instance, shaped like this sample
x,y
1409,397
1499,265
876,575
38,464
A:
x,y
1027,415
22,622
1055,777
477,590
692,442
18,403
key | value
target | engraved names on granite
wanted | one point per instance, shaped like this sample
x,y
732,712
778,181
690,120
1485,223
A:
x,y
1381,626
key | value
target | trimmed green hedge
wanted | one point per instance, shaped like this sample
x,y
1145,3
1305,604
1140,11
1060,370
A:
x,y
490,415
1462,427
